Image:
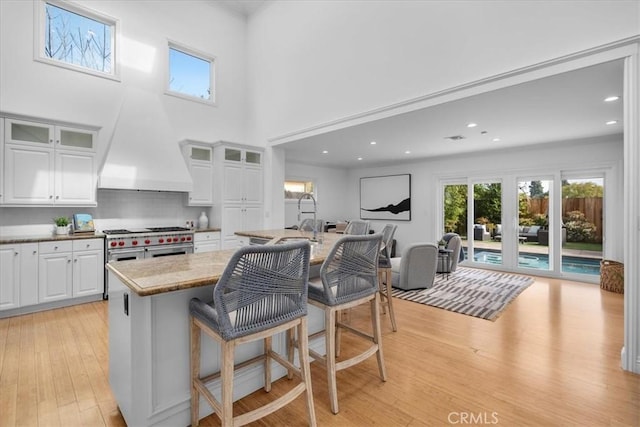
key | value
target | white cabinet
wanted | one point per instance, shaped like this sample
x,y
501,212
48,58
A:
x,y
206,241
55,272
18,275
88,267
238,189
199,157
9,276
48,165
1,161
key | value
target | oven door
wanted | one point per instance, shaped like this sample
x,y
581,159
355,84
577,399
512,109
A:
x,y
125,254
120,255
158,251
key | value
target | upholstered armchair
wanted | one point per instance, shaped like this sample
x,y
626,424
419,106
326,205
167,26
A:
x,y
416,268
454,243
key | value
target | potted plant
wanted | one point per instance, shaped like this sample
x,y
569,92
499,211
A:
x,y
62,224
442,244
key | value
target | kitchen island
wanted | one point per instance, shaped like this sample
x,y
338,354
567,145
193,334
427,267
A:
x,y
149,332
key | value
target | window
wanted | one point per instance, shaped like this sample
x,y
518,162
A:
x,y
191,74
293,190
76,38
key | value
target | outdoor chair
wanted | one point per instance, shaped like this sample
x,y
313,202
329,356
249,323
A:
x,y
349,277
263,291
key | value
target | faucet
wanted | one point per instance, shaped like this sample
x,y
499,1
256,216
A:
x,y
315,209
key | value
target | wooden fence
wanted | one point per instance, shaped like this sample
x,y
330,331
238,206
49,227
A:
x,y
591,207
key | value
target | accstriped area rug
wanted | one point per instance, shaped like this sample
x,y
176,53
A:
x,y
470,291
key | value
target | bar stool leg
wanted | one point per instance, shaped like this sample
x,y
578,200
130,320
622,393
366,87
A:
x,y
195,373
228,350
389,297
267,364
330,343
377,334
303,353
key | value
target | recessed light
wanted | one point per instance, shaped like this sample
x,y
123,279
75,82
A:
x,y
611,98
472,125
325,152
496,139
373,143
407,152
612,122
359,158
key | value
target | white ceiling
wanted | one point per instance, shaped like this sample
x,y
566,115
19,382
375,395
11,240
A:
x,y
563,107
244,7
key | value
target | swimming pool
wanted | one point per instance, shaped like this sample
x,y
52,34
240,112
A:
x,y
570,264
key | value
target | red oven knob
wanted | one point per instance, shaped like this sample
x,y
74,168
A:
x,y
160,240
188,238
134,243
182,239
175,239
121,243
114,243
146,242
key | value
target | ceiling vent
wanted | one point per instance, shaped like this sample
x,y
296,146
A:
x,y
454,137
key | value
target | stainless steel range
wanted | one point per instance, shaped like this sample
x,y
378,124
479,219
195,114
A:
x,y
141,243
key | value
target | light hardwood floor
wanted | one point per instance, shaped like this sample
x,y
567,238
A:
x,y
552,358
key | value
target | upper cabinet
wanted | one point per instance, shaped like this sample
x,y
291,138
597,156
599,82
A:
x,y
199,157
48,164
238,189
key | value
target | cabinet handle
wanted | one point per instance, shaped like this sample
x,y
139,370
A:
x,y
50,196
57,197
16,253
68,261
35,252
51,141
75,260
57,141
55,248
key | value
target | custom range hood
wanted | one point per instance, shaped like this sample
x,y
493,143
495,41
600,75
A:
x,y
143,152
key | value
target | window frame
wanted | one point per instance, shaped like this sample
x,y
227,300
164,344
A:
x,y
40,36
213,61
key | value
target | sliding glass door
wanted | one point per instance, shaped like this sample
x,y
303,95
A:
x,y
582,223
486,229
535,203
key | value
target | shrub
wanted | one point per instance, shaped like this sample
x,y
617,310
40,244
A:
x,y
578,228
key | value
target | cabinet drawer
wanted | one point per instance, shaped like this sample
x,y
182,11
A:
x,y
55,247
87,244
206,236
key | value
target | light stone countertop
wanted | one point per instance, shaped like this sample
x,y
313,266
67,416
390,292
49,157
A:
x,y
166,274
48,237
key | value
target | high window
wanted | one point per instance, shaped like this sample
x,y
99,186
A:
x,y
76,38
293,190
191,74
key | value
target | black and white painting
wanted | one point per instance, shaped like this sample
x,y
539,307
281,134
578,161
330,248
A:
x,y
386,197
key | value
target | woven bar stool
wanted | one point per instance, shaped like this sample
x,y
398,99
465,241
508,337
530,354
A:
x,y
349,277
357,227
262,292
384,273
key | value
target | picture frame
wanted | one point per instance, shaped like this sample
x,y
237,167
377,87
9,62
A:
x,y
83,223
386,197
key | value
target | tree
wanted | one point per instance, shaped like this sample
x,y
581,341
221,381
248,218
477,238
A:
x,y
488,201
536,191
455,208
581,190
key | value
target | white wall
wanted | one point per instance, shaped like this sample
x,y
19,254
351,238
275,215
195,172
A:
x,y
313,62
36,89
331,188
602,154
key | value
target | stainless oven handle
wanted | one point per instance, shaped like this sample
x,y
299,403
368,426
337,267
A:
x,y
124,251
168,248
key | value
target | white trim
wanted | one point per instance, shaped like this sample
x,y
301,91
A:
x,y
608,52
211,59
630,354
39,37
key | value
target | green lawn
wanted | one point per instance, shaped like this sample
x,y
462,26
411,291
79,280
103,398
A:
x,y
581,246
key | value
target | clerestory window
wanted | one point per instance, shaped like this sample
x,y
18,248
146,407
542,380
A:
x,y
77,38
191,74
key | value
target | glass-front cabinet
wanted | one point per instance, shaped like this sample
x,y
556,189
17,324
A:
x,y
47,164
